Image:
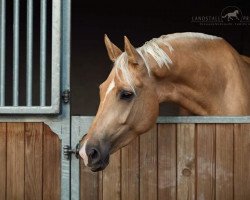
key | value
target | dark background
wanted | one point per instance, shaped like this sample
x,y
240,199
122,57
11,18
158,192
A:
x,y
90,65
90,21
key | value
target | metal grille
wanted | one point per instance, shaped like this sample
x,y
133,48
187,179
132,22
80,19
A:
x,y
14,106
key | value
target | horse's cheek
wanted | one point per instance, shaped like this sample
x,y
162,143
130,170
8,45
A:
x,y
148,116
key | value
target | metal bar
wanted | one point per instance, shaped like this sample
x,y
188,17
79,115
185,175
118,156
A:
x,y
87,119
75,171
30,118
191,119
38,110
65,85
2,51
43,53
79,127
29,72
204,119
16,53
56,53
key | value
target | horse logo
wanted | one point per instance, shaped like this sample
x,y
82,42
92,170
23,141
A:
x,y
231,14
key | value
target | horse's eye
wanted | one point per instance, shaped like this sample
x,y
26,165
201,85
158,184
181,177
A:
x,y
126,95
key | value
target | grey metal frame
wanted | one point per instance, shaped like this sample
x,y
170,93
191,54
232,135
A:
x,y
188,119
54,108
204,119
79,127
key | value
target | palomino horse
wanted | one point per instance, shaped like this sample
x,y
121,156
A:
x,y
201,73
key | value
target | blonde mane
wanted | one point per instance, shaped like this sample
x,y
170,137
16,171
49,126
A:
x,y
153,49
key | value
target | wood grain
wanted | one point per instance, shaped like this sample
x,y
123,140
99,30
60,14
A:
x,y
15,161
130,171
167,161
148,165
224,161
111,178
89,185
51,165
100,186
33,160
3,160
205,167
186,161
241,161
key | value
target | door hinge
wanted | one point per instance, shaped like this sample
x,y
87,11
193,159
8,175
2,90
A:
x,y
66,96
68,151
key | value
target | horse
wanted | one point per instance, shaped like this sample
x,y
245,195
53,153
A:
x,y
232,15
203,74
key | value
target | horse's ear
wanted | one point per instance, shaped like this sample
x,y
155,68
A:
x,y
133,55
113,51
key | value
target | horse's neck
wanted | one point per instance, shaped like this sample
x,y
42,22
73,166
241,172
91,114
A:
x,y
207,79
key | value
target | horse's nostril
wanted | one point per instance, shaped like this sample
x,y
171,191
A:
x,y
94,155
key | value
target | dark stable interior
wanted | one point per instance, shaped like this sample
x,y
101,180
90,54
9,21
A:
x,y
90,64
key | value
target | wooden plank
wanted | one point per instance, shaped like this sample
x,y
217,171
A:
x,y
130,171
241,161
111,178
148,165
3,160
89,189
51,165
100,186
224,161
167,161
15,161
205,168
186,161
33,160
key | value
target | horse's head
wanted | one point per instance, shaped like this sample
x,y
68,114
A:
x,y
128,107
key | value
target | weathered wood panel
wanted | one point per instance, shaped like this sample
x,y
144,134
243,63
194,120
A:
x,y
241,162
51,165
148,165
167,161
33,161
15,161
186,161
30,162
179,161
89,184
205,164
130,171
111,185
224,161
3,160
100,186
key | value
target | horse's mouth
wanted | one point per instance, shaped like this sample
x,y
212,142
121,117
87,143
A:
x,y
97,169
101,165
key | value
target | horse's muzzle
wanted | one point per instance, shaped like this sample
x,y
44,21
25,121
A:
x,y
95,155
100,166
